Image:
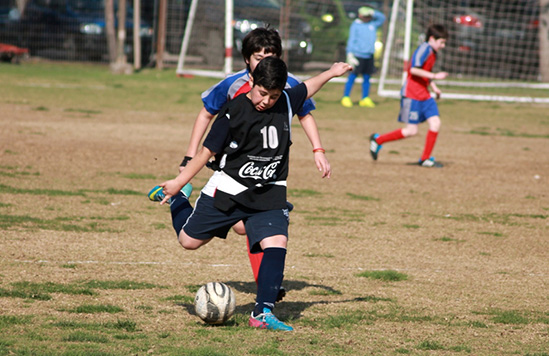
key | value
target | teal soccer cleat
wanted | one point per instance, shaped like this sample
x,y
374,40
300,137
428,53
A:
x,y
267,320
374,146
156,193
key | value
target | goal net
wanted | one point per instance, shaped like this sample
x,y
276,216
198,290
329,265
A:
x,y
492,53
210,31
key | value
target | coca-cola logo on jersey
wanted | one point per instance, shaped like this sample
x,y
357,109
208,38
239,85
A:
x,y
249,170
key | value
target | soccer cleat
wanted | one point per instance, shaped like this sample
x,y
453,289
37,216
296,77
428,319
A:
x,y
366,103
156,194
430,163
346,102
374,146
267,320
281,294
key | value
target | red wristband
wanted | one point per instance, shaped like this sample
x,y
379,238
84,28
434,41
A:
x,y
319,150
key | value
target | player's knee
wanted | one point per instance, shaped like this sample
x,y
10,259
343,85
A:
x,y
434,123
189,243
410,131
239,228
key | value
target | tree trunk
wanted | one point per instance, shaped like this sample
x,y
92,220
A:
x,y
161,39
109,29
544,40
121,33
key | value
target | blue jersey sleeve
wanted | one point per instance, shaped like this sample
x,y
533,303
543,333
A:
x,y
215,97
308,105
420,55
219,94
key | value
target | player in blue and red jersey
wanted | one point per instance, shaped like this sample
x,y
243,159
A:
x,y
416,103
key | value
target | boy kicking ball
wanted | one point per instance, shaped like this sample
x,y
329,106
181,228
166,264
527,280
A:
x,y
250,140
259,43
416,103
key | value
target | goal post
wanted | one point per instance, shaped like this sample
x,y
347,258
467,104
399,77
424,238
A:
x,y
493,51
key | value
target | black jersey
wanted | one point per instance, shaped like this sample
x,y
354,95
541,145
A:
x,y
252,148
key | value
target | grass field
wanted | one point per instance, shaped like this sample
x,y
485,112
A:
x,y
385,258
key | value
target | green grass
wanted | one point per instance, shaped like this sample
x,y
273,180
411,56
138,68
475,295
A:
x,y
387,276
97,308
467,287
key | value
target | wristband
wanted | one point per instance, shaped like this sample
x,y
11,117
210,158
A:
x,y
319,150
185,161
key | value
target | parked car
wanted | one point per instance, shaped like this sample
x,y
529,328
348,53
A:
x,y
9,17
74,29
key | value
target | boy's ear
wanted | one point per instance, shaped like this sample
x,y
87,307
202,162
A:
x,y
251,81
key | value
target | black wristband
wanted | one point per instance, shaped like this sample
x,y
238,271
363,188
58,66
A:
x,y
185,161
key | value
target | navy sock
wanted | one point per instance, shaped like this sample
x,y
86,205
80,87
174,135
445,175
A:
x,y
181,210
269,279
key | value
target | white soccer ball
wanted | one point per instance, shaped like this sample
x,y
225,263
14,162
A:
x,y
215,303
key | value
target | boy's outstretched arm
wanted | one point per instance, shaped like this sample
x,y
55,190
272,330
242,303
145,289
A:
x,y
173,186
311,130
315,83
200,126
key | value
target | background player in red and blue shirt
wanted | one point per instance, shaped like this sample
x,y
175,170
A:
x,y
416,103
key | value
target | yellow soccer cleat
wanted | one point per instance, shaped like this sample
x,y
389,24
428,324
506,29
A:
x,y
367,103
346,101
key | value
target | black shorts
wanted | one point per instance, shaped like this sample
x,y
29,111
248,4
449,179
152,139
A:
x,y
365,66
207,221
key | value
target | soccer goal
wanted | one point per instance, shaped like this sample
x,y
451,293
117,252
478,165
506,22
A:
x,y
493,51
212,32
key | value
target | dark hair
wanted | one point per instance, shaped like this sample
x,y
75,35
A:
x,y
261,38
437,31
271,73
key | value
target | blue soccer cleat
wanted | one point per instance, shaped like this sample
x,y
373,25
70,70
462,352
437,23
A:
x,y
267,320
430,163
374,146
156,194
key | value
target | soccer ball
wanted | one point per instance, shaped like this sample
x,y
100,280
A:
x,y
215,303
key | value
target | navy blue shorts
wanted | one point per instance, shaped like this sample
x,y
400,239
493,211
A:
x,y
417,111
365,66
207,221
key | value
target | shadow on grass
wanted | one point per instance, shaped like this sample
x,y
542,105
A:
x,y
286,309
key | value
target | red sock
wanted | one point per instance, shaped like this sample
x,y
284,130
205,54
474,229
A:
x,y
390,136
429,144
255,260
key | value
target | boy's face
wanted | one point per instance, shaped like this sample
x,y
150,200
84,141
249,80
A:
x,y
256,57
262,98
437,44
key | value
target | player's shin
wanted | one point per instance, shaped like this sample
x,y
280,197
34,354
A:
x,y
181,209
271,274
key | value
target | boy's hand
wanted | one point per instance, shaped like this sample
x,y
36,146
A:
x,y
440,75
340,68
170,188
323,165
